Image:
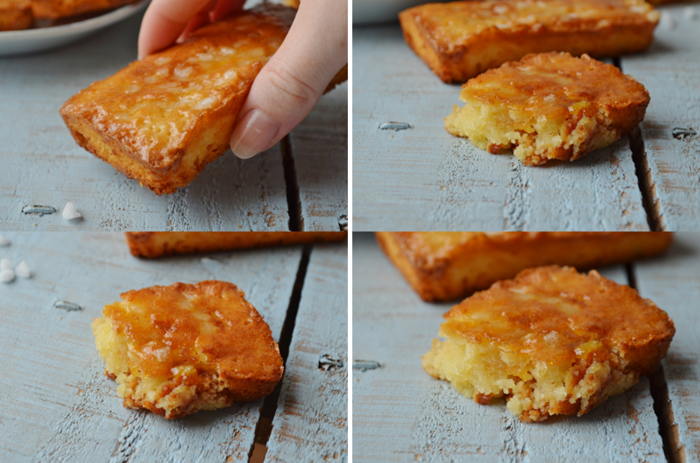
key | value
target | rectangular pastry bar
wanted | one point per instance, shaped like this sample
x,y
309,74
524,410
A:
x,y
158,244
443,266
460,40
161,119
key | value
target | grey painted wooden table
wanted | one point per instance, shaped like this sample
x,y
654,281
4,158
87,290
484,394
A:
x,y
57,405
300,184
402,414
425,179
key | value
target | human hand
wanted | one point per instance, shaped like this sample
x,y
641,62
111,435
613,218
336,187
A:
x,y
289,85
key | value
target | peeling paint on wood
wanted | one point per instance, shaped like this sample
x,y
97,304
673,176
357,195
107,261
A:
x,y
426,179
57,405
402,414
669,71
311,419
673,283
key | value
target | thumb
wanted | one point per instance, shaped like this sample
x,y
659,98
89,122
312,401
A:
x,y
291,83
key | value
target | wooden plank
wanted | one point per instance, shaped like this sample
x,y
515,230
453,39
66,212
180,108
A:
x,y
669,71
674,285
320,149
57,404
233,194
425,179
402,414
42,164
310,423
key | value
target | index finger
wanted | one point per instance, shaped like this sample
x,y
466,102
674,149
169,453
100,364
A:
x,y
164,21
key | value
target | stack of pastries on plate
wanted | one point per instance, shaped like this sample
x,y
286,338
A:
x,y
25,14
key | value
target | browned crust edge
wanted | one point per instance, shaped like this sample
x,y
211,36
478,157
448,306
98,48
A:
x,y
152,245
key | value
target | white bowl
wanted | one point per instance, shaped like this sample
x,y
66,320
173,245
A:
x,y
381,11
33,40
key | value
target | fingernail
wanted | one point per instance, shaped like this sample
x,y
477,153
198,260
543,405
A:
x,y
253,134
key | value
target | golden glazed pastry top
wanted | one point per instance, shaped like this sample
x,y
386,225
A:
x,y
556,315
151,105
554,85
454,24
208,325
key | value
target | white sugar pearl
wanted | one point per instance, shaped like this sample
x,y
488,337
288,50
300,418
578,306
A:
x,y
4,241
70,212
5,264
22,270
6,276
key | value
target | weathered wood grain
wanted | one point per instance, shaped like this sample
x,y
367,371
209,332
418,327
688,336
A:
x,y
42,164
669,71
425,179
57,405
319,146
310,423
233,194
673,283
402,414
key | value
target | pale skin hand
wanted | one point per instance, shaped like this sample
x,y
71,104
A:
x,y
289,85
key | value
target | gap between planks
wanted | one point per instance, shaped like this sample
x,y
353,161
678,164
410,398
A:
x,y
647,187
296,219
663,408
263,429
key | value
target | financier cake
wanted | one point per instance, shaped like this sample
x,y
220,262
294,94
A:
x,y
552,342
548,106
161,119
181,348
152,245
460,40
443,266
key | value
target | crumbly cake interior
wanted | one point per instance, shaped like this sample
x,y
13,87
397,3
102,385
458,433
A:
x,y
534,391
548,106
179,349
550,342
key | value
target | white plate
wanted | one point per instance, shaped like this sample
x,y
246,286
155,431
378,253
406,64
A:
x,y
33,40
381,11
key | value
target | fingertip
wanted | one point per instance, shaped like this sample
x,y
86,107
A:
x,y
254,133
